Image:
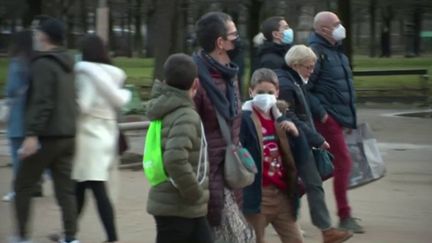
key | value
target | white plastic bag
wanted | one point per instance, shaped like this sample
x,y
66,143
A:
x,y
368,164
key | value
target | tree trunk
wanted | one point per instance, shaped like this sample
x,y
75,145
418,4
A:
x,y
387,18
344,13
253,29
164,38
418,19
372,21
138,26
84,16
34,9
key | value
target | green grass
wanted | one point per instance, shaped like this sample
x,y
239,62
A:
x,y
140,71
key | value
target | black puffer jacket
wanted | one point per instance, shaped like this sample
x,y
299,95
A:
x,y
271,55
331,84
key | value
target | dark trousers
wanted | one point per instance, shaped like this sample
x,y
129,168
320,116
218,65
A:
x,y
311,178
103,203
55,154
182,230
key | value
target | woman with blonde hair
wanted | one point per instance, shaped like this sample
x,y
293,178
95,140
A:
x,y
300,62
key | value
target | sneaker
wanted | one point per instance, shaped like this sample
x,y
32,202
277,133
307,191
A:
x,y
352,225
8,197
336,235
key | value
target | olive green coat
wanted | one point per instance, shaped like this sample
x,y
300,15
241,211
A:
x,y
181,144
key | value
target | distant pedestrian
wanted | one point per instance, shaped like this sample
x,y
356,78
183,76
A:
x,y
179,205
50,128
17,85
100,98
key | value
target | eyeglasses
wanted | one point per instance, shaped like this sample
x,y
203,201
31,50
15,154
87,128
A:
x,y
308,67
234,34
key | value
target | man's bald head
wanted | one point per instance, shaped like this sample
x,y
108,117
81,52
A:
x,y
325,19
324,24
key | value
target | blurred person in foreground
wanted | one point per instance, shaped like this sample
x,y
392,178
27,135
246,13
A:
x,y
50,128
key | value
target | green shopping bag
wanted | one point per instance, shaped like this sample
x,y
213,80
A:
x,y
152,159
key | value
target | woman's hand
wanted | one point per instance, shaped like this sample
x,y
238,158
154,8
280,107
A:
x,y
289,127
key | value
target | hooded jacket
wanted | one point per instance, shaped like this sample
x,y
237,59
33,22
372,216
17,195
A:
x,y
51,108
271,55
331,84
183,195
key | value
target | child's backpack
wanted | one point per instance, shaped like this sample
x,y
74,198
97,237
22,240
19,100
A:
x,y
152,160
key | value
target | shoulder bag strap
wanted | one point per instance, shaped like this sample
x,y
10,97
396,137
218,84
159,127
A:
x,y
224,128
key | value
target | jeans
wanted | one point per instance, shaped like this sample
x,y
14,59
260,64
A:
x,y
55,154
172,229
333,133
308,172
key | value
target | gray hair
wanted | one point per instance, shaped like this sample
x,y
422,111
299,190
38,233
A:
x,y
299,54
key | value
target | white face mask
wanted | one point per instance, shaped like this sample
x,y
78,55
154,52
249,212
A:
x,y
264,101
339,33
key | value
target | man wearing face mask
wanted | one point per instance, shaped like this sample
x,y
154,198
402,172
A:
x,y
218,93
332,103
278,39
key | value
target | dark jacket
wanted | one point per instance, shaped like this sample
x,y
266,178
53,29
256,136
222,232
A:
x,y
216,144
331,84
52,107
271,55
251,138
292,90
181,145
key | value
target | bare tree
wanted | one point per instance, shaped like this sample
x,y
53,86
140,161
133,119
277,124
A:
x,y
164,37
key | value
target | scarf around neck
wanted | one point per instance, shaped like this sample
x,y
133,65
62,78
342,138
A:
x,y
226,104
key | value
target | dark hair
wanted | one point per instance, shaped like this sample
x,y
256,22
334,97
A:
x,y
209,27
93,49
269,25
53,28
21,44
180,71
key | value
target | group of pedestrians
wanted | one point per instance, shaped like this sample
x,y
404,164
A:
x,y
316,103
64,120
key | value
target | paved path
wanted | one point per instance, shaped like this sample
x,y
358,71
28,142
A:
x,y
395,209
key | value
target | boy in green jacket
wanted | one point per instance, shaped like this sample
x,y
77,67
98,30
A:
x,y
179,205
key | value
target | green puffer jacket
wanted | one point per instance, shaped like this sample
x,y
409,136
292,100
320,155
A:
x,y
181,144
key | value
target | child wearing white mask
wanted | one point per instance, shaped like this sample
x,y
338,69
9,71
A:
x,y
272,198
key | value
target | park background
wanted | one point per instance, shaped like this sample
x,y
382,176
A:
x,y
381,35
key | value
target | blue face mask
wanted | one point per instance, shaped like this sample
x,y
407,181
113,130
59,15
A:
x,y
288,36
